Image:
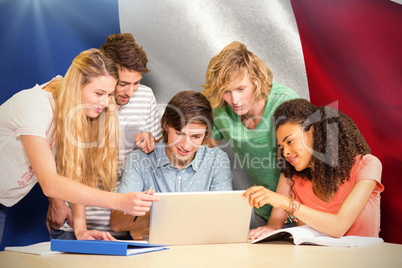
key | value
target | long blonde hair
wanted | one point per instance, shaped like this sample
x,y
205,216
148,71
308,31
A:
x,y
236,60
86,148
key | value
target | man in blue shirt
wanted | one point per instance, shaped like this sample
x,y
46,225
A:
x,y
179,163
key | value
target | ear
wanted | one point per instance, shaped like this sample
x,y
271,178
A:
x,y
310,132
165,127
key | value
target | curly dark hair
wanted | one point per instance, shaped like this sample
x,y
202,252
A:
x,y
125,52
336,143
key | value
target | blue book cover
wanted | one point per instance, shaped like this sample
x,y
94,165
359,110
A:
x,y
102,247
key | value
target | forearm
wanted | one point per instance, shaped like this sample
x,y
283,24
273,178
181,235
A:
x,y
277,218
338,224
278,215
79,214
57,186
121,222
60,187
331,224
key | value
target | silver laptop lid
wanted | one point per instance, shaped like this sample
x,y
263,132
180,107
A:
x,y
200,218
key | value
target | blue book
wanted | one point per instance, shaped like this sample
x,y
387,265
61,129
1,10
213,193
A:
x,y
102,247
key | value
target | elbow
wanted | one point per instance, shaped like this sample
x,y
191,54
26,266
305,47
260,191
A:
x,y
338,232
49,183
48,188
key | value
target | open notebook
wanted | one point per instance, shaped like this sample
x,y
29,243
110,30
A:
x,y
305,235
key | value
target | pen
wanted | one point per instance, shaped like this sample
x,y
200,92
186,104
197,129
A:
x,y
148,192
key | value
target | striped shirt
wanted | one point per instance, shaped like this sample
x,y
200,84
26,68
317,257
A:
x,y
139,114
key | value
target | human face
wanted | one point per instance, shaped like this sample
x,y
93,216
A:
x,y
296,145
240,95
182,145
129,82
97,93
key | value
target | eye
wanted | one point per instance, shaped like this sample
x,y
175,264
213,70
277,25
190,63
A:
x,y
197,136
99,94
111,95
240,89
289,142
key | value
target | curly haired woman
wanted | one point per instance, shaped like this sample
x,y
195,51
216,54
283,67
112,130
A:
x,y
329,180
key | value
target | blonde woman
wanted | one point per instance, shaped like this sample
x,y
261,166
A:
x,y
64,135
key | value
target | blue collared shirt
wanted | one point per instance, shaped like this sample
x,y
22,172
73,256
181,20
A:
x,y
209,171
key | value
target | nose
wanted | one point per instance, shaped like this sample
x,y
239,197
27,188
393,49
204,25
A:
x,y
235,98
286,152
105,101
131,90
185,143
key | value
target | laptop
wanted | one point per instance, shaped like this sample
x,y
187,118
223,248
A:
x,y
187,218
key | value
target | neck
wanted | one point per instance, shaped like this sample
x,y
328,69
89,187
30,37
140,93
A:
x,y
256,111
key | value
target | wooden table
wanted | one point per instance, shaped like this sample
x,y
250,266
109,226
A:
x,y
271,254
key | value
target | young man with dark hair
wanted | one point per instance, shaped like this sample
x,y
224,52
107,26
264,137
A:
x,y
179,163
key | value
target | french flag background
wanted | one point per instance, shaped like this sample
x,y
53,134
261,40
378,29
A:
x,y
347,54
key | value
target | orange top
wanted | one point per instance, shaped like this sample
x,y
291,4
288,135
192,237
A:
x,y
368,222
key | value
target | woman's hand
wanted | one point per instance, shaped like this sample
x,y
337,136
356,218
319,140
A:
x,y
136,204
94,234
145,141
260,232
259,196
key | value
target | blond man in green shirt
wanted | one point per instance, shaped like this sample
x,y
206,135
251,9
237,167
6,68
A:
x,y
244,97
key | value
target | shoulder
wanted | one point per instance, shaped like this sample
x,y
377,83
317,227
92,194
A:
x,y
280,91
368,160
215,152
32,101
32,96
29,112
279,94
223,112
144,91
143,98
366,167
218,111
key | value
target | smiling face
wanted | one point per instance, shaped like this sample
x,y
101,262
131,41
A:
x,y
129,81
296,145
240,94
182,145
96,95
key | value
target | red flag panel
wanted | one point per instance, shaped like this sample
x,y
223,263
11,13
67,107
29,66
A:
x,y
353,55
